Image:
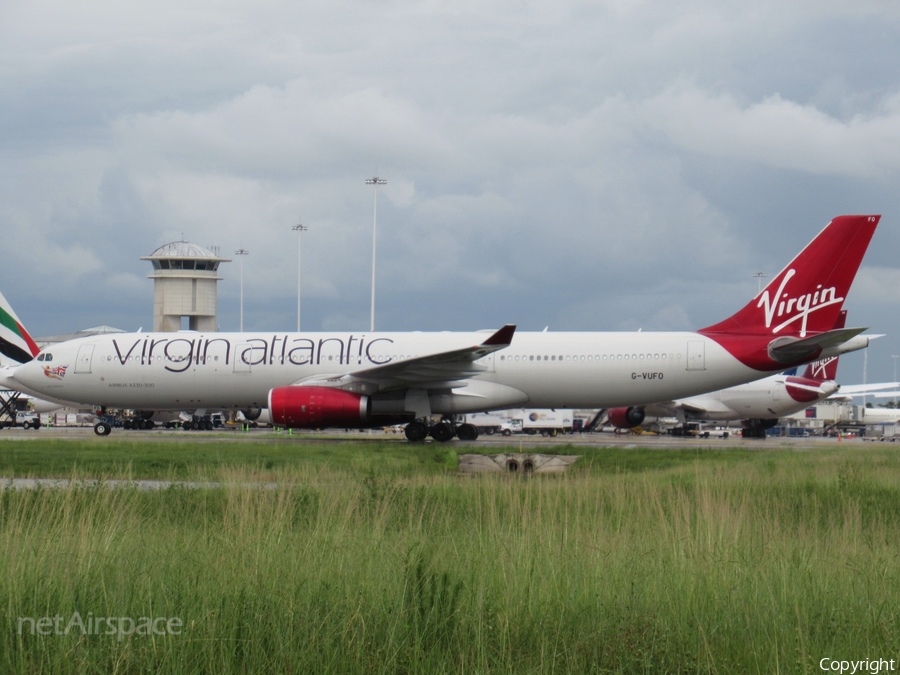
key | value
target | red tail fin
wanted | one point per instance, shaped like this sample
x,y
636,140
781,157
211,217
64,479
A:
x,y
826,369
807,295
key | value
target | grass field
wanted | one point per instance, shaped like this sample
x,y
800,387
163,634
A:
x,y
377,557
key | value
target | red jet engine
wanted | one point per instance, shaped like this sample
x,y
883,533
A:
x,y
318,408
626,418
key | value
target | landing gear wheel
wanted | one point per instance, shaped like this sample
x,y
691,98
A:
x,y
442,432
149,424
102,429
467,432
208,425
415,432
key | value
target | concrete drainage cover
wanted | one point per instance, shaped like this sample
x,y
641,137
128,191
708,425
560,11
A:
x,y
516,463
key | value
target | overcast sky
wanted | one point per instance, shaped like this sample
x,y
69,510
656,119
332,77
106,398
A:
x,y
602,165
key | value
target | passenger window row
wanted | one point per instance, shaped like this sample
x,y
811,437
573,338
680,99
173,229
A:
x,y
590,357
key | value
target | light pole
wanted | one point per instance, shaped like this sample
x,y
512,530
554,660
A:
x,y
759,276
299,228
242,252
375,181
865,372
895,357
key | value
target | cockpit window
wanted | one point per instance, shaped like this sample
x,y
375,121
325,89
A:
x,y
45,357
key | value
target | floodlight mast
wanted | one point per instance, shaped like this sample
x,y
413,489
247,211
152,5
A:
x,y
242,252
375,181
299,228
759,276
895,357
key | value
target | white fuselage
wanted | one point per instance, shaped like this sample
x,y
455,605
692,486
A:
x,y
188,370
768,398
881,415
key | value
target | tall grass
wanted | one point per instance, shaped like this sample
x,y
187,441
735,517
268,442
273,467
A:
x,y
756,565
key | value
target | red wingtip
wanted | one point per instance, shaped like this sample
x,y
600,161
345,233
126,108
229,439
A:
x,y
502,337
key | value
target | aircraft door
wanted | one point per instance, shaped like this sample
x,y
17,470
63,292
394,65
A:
x,y
696,355
243,357
84,358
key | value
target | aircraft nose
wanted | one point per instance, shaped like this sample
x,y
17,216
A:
x,y
22,374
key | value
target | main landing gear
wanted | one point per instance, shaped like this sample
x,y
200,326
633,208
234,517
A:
x,y
443,431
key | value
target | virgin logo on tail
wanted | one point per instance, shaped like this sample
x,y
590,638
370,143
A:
x,y
782,304
819,369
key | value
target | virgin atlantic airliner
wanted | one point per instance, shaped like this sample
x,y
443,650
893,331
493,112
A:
x,y
361,379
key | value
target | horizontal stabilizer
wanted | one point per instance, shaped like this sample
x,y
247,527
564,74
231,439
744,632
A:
x,y
792,350
815,389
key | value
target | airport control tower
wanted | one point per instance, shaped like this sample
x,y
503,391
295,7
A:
x,y
184,284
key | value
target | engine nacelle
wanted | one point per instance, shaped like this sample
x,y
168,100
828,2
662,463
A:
x,y
759,424
626,418
318,408
251,414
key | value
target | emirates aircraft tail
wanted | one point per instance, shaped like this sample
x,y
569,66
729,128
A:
x,y
15,342
793,319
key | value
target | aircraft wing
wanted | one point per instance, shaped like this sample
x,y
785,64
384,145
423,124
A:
x,y
860,389
439,369
703,404
694,405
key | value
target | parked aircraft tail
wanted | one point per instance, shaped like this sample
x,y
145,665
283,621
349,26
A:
x,y
15,342
807,295
792,320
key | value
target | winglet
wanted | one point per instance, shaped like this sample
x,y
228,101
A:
x,y
502,338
